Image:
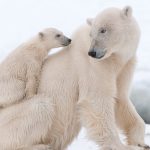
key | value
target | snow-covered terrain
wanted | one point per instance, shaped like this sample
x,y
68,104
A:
x,y
20,19
82,141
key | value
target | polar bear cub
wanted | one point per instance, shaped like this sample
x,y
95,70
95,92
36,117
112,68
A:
x,y
20,71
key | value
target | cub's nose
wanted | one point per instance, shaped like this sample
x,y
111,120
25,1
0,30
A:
x,y
92,53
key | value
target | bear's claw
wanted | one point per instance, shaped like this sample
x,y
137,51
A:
x,y
146,147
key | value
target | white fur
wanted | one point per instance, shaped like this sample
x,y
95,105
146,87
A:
x,y
76,90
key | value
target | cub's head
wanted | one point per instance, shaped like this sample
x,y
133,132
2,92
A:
x,y
53,38
113,31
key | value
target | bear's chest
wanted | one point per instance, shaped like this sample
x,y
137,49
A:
x,y
97,83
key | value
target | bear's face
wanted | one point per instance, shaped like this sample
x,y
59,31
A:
x,y
54,38
111,31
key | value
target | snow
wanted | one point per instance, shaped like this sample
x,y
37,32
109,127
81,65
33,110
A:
x,y
20,19
82,142
147,138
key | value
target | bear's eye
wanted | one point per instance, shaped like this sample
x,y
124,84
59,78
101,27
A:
x,y
103,30
58,35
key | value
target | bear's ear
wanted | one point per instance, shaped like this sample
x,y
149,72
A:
x,y
127,11
41,35
89,21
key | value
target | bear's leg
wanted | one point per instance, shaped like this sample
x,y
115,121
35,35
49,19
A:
x,y
126,116
26,123
37,147
98,118
32,81
130,122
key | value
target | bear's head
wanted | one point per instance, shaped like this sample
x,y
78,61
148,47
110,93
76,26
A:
x,y
114,31
53,38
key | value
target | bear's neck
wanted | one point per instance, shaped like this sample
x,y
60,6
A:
x,y
37,49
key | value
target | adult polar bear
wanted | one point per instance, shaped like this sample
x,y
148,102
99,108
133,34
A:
x,y
77,90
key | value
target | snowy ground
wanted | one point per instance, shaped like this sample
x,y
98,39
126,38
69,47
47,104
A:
x,y
82,141
20,19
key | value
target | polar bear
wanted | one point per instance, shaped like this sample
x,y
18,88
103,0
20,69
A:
x,y
90,91
21,69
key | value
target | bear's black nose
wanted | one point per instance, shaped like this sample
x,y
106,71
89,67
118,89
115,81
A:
x,y
69,40
92,53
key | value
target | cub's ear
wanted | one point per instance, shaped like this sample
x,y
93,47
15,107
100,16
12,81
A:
x,y
89,21
41,35
127,11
